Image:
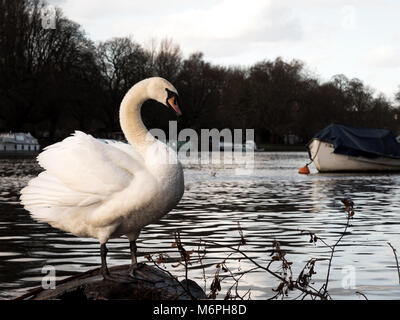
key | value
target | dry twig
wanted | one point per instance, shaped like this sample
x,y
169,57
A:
x,y
397,261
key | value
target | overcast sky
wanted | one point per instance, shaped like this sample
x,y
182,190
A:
x,y
359,38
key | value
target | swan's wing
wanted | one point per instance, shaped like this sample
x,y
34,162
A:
x,y
47,191
81,171
86,164
127,148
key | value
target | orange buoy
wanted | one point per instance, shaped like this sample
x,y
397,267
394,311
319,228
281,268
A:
x,y
304,170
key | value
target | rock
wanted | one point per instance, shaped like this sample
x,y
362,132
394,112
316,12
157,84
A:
x,y
149,283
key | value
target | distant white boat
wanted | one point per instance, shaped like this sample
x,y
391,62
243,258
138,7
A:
x,y
340,148
18,143
326,160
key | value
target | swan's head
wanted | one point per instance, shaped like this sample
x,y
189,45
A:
x,y
164,92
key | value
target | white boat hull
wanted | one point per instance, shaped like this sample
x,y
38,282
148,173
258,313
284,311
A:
x,y
326,160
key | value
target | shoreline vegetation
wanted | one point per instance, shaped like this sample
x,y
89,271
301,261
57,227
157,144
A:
x,y
57,80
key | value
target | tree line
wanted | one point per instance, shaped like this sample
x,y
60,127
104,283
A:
x,y
55,81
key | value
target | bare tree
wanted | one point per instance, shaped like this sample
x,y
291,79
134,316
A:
x,y
167,60
37,66
200,85
122,63
397,96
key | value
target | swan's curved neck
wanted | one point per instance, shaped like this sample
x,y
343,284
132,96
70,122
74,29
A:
x,y
130,119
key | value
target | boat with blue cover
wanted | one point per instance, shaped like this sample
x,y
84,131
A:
x,y
341,148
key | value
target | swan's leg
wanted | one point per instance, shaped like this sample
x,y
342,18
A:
x,y
104,268
133,266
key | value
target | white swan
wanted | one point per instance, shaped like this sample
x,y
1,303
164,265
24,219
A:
x,y
98,190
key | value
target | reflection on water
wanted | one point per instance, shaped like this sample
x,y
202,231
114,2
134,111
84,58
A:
x,y
272,203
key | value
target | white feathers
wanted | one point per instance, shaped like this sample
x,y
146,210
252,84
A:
x,y
81,158
80,172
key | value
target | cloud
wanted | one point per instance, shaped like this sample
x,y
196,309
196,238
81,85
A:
x,y
99,9
384,56
216,27
227,26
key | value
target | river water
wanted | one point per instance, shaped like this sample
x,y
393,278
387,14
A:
x,y
273,202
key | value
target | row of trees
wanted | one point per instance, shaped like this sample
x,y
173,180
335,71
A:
x,y
53,81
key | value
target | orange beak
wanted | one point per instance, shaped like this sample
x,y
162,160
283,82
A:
x,y
174,105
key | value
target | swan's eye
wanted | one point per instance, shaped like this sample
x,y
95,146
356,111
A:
x,y
170,93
